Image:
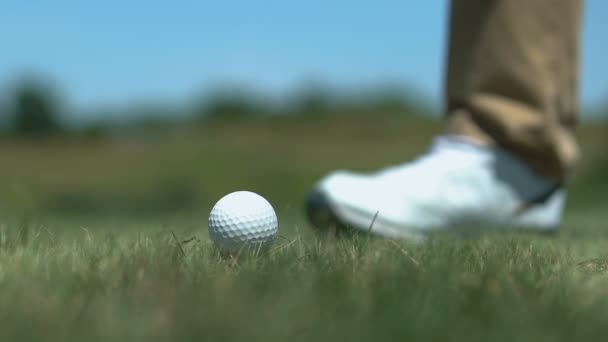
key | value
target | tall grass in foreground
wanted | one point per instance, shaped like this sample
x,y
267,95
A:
x,y
135,286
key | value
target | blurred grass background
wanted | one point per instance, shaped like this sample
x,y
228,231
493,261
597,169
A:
x,y
185,169
159,163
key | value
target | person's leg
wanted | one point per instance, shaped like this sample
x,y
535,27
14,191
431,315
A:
x,y
511,102
512,78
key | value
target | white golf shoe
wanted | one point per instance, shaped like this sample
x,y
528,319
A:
x,y
458,184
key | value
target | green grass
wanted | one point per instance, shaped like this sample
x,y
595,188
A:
x,y
103,272
138,285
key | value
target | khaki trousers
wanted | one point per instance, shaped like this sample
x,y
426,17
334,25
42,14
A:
x,y
512,78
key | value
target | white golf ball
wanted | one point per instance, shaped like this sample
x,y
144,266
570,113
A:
x,y
241,219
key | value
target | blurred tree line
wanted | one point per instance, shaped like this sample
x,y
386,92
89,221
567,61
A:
x,y
33,108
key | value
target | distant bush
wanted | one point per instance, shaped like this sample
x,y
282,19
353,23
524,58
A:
x,y
316,100
312,101
35,110
233,105
4,117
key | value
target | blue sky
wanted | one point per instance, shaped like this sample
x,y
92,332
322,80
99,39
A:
x,y
112,53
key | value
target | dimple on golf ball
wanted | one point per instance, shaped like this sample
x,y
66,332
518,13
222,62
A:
x,y
241,219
